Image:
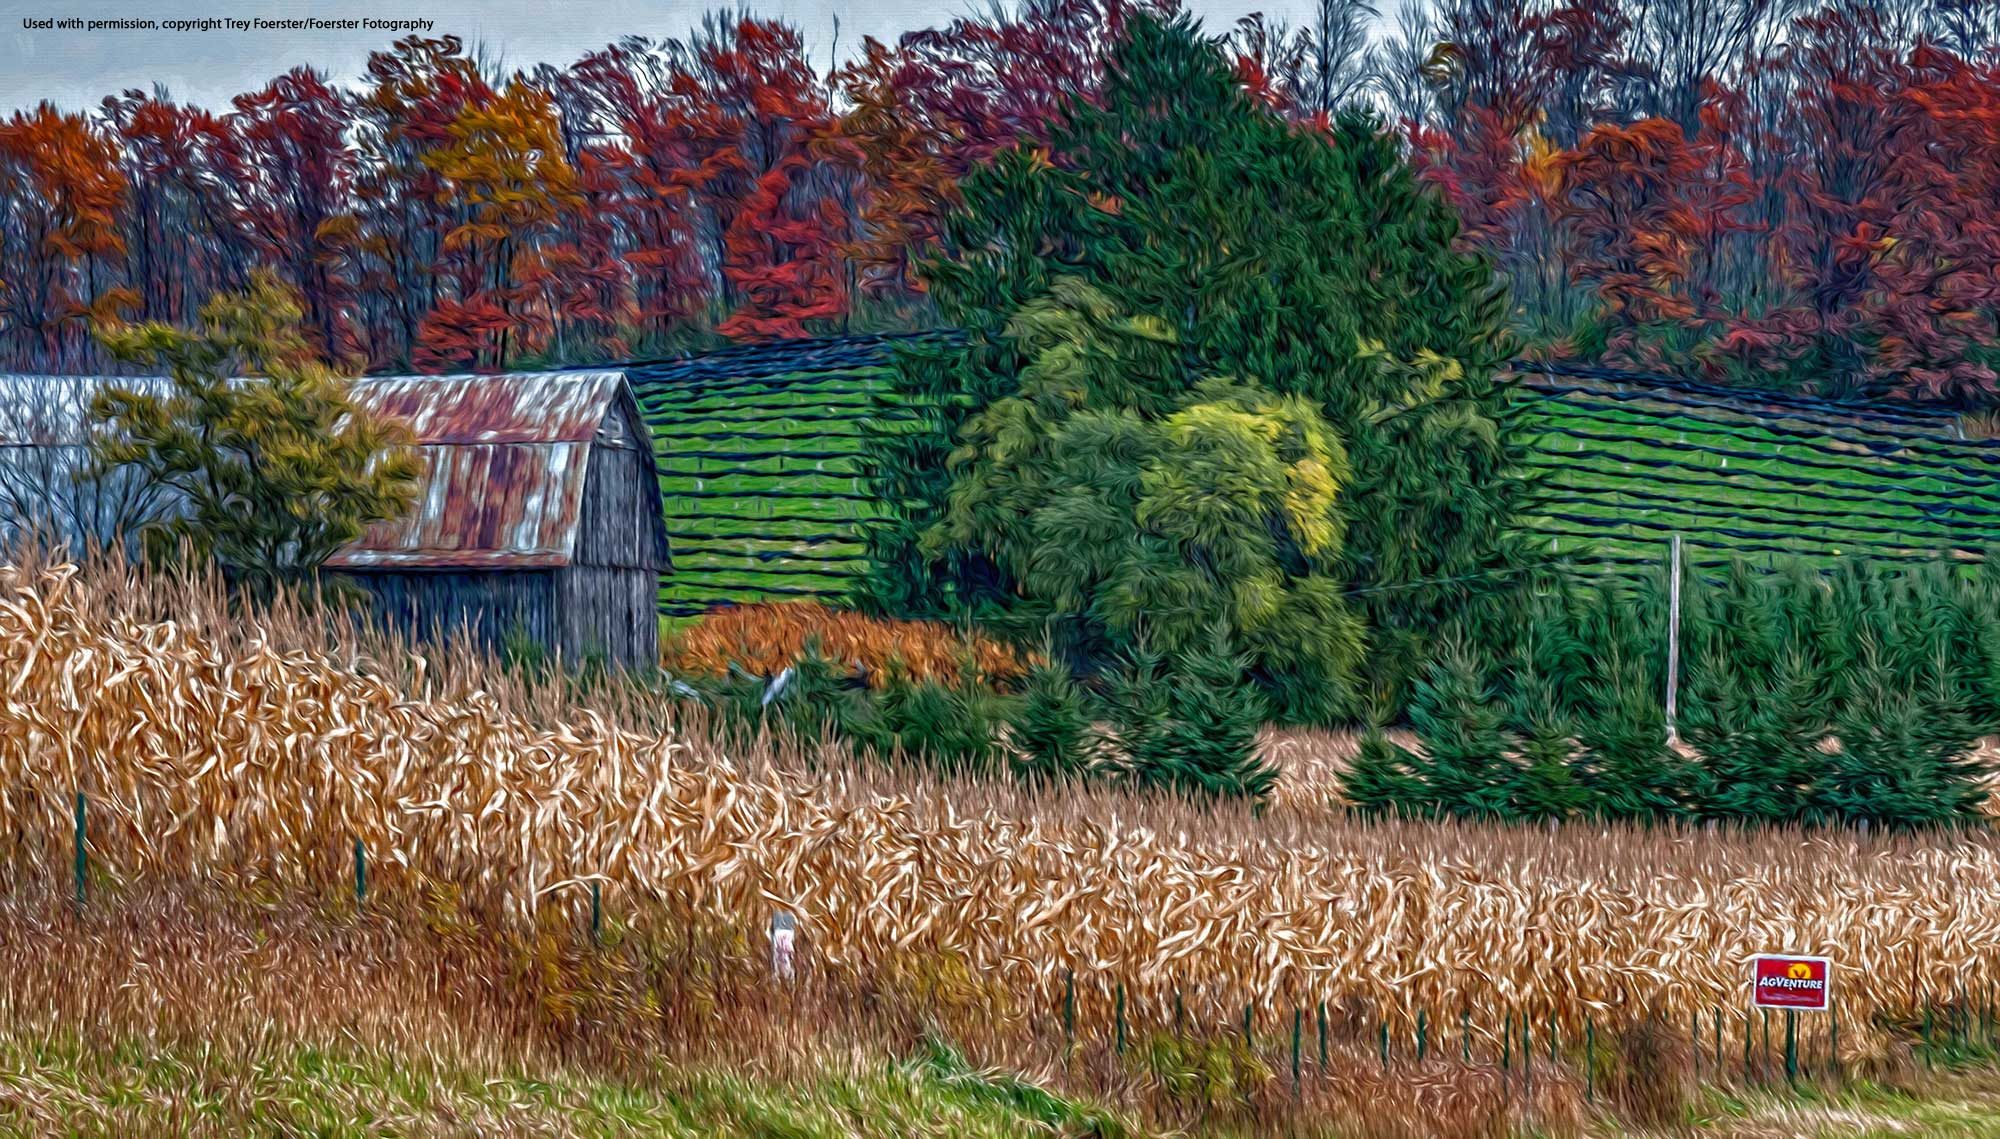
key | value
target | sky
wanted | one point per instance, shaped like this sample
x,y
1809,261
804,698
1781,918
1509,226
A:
x,y
77,68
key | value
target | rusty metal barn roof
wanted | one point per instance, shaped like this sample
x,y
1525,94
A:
x,y
526,407
504,458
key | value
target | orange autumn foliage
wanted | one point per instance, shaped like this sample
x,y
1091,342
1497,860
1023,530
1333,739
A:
x,y
765,638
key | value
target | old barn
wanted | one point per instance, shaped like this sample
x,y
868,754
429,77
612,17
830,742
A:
x,y
537,517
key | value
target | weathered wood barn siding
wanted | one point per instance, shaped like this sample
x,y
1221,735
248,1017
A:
x,y
488,606
609,596
537,513
539,517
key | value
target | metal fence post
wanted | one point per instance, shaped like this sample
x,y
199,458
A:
x,y
1322,1035
1694,1037
1298,1024
1986,1015
1764,1065
1589,1059
1792,1047
1069,1008
360,872
1747,1078
1527,1055
1120,1045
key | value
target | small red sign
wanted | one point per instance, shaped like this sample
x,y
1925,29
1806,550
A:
x,y
1785,981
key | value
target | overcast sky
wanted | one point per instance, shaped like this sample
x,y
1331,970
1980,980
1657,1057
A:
x,y
78,68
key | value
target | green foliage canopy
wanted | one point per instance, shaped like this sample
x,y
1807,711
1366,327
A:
x,y
1273,297
1123,502
279,469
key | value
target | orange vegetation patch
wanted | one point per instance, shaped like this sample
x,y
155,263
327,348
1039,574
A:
x,y
766,637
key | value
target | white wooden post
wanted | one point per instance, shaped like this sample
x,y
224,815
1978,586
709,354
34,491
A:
x,y
1674,643
784,931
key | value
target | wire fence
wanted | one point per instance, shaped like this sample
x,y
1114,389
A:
x,y
1730,1044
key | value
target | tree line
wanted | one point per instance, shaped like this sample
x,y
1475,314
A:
x,y
1770,191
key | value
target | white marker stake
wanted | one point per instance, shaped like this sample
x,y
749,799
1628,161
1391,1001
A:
x,y
1674,646
783,930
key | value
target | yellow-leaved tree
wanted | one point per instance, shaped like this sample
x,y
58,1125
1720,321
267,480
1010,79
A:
x,y
272,464
1134,502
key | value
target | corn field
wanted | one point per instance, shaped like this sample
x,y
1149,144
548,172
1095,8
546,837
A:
x,y
252,750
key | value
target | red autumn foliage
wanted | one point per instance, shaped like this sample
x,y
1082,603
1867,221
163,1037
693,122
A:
x,y
59,236
1643,211
1785,203
765,639
289,171
1793,196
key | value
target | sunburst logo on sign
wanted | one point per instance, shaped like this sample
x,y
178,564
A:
x,y
1799,971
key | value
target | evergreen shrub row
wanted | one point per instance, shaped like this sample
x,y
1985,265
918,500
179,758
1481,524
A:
x,y
1856,694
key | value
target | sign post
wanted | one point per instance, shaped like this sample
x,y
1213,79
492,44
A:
x,y
1793,983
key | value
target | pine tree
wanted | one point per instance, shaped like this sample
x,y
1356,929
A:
x,y
1909,720
1051,724
1623,730
953,727
1548,782
1758,701
1383,779
1209,743
1189,723
1633,773
1972,600
1904,756
1304,262
1467,764
1140,697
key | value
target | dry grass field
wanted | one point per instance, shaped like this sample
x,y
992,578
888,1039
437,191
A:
x,y
230,761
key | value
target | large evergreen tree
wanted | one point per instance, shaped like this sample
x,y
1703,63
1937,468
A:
x,y
1303,262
